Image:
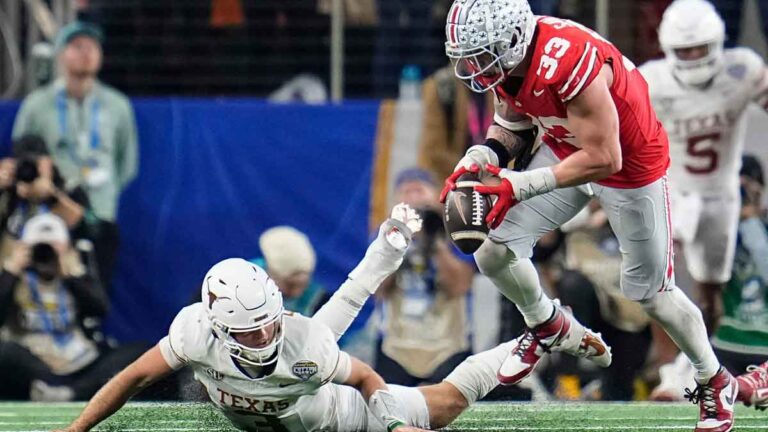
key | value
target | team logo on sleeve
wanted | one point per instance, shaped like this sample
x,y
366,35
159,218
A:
x,y
216,375
737,71
304,369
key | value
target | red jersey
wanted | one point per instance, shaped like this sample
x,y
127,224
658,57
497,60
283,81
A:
x,y
567,57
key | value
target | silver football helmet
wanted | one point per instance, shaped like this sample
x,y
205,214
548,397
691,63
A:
x,y
240,297
487,38
687,24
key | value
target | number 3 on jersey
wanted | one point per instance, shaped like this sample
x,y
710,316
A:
x,y
553,50
702,149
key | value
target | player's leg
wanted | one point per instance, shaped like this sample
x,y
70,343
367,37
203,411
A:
x,y
710,254
505,259
641,221
505,256
471,380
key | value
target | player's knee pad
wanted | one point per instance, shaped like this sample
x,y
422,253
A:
x,y
493,258
644,281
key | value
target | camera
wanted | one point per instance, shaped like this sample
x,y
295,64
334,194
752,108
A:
x,y
26,170
432,222
45,261
44,254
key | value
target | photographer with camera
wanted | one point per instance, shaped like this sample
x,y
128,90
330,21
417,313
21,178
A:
x,y
45,292
425,329
90,131
31,184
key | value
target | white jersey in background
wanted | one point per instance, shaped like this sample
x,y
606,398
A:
x,y
706,126
706,129
297,397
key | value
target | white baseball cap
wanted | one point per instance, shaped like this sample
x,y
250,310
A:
x,y
45,228
287,251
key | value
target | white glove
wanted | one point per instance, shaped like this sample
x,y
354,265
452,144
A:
x,y
385,255
387,408
393,232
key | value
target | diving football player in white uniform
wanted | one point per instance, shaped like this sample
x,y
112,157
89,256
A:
x,y
268,369
700,92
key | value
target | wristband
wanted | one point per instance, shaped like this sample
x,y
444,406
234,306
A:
x,y
501,152
529,184
394,425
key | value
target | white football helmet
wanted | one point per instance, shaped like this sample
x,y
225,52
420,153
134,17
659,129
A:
x,y
240,297
487,38
687,24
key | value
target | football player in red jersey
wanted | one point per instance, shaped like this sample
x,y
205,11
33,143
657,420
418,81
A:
x,y
601,139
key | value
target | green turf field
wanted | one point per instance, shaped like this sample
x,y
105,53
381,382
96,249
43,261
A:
x,y
483,417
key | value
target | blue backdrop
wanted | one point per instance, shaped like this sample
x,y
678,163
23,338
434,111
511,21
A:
x,y
214,174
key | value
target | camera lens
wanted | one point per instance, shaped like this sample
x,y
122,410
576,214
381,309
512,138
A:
x,y
26,171
44,254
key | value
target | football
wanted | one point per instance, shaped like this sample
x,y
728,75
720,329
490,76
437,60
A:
x,y
465,213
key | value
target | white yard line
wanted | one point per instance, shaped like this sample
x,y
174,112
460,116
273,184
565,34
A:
x,y
606,419
121,430
596,428
44,423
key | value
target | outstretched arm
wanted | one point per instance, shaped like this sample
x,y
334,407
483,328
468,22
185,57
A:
x,y
149,368
382,258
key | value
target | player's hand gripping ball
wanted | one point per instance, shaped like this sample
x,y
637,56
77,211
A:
x,y
466,211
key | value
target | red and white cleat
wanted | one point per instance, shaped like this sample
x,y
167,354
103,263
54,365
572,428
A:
x,y
715,399
563,333
753,386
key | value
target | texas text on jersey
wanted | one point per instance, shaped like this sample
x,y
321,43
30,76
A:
x,y
567,57
292,398
705,125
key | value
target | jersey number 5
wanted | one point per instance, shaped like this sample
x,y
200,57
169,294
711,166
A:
x,y
702,147
553,50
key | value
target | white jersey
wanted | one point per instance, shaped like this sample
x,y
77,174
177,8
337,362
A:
x,y
706,127
293,398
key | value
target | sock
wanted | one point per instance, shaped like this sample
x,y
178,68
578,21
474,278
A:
x,y
539,312
682,321
475,377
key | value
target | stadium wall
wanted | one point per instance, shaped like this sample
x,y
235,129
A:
x,y
214,174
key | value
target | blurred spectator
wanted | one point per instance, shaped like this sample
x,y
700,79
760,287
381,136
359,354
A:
x,y
304,88
455,118
731,11
30,184
90,132
45,291
742,338
289,259
424,306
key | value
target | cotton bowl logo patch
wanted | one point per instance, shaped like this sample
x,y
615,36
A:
x,y
738,71
304,369
214,374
